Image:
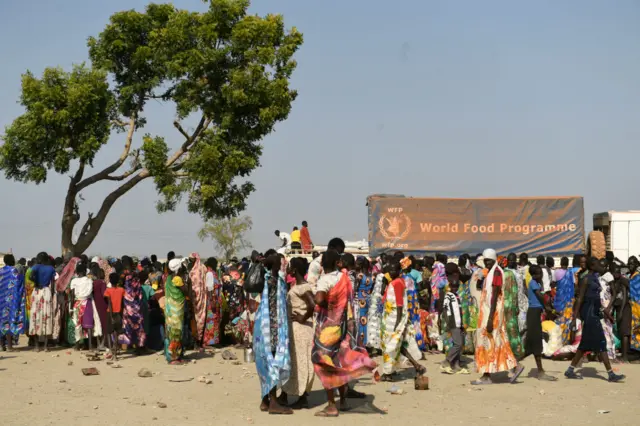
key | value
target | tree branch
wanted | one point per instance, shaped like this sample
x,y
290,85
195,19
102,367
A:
x,y
104,173
87,224
190,140
177,125
94,223
124,175
165,95
70,215
136,166
119,123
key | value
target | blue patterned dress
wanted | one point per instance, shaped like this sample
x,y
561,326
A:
x,y
412,309
12,303
364,286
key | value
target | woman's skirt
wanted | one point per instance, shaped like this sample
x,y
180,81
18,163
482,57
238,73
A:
x,y
593,338
212,322
174,323
533,344
85,317
302,373
41,315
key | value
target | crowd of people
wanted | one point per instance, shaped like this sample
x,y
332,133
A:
x,y
332,316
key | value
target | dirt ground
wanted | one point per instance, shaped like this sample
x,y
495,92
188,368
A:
x,y
50,389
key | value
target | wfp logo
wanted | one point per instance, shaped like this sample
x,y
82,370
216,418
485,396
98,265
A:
x,y
394,225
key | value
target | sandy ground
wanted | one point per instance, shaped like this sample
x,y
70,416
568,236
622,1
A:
x,y
49,389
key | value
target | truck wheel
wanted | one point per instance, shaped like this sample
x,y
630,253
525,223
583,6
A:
x,y
597,245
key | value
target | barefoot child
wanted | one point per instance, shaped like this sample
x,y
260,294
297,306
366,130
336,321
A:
x,y
451,321
114,296
533,343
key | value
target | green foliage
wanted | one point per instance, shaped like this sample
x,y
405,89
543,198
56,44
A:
x,y
67,117
227,234
229,69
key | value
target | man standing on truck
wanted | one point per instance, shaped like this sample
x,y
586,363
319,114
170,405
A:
x,y
305,238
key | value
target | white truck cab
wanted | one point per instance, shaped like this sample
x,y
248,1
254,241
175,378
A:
x,y
616,231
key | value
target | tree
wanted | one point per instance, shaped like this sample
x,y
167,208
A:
x,y
228,70
228,234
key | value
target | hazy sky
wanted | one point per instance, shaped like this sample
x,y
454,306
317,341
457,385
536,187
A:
x,y
424,98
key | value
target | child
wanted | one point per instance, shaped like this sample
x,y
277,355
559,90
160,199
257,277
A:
x,y
451,321
533,343
114,296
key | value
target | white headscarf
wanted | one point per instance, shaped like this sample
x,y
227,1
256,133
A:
x,y
175,264
488,289
490,254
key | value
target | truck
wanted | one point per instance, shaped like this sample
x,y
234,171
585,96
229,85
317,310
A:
x,y
545,225
615,231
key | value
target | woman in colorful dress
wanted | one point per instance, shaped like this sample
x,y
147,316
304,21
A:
x,y
29,286
634,290
63,327
42,313
197,277
132,319
301,306
237,323
606,281
438,282
12,303
175,291
363,289
99,288
374,315
214,314
588,310
271,338
563,302
337,359
468,305
86,320
398,333
511,309
413,304
493,351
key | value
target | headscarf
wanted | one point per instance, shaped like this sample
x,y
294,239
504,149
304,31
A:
x,y
67,273
104,265
490,254
174,265
405,263
502,261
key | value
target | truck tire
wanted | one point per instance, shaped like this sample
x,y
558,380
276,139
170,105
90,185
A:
x,y
597,245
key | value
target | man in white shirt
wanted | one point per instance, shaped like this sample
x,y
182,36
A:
x,y
546,275
286,241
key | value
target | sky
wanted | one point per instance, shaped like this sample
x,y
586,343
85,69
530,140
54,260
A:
x,y
422,98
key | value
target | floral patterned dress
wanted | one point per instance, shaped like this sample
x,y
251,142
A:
x,y
395,338
12,303
214,313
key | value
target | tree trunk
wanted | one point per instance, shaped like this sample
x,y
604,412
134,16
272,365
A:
x,y
93,224
70,215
